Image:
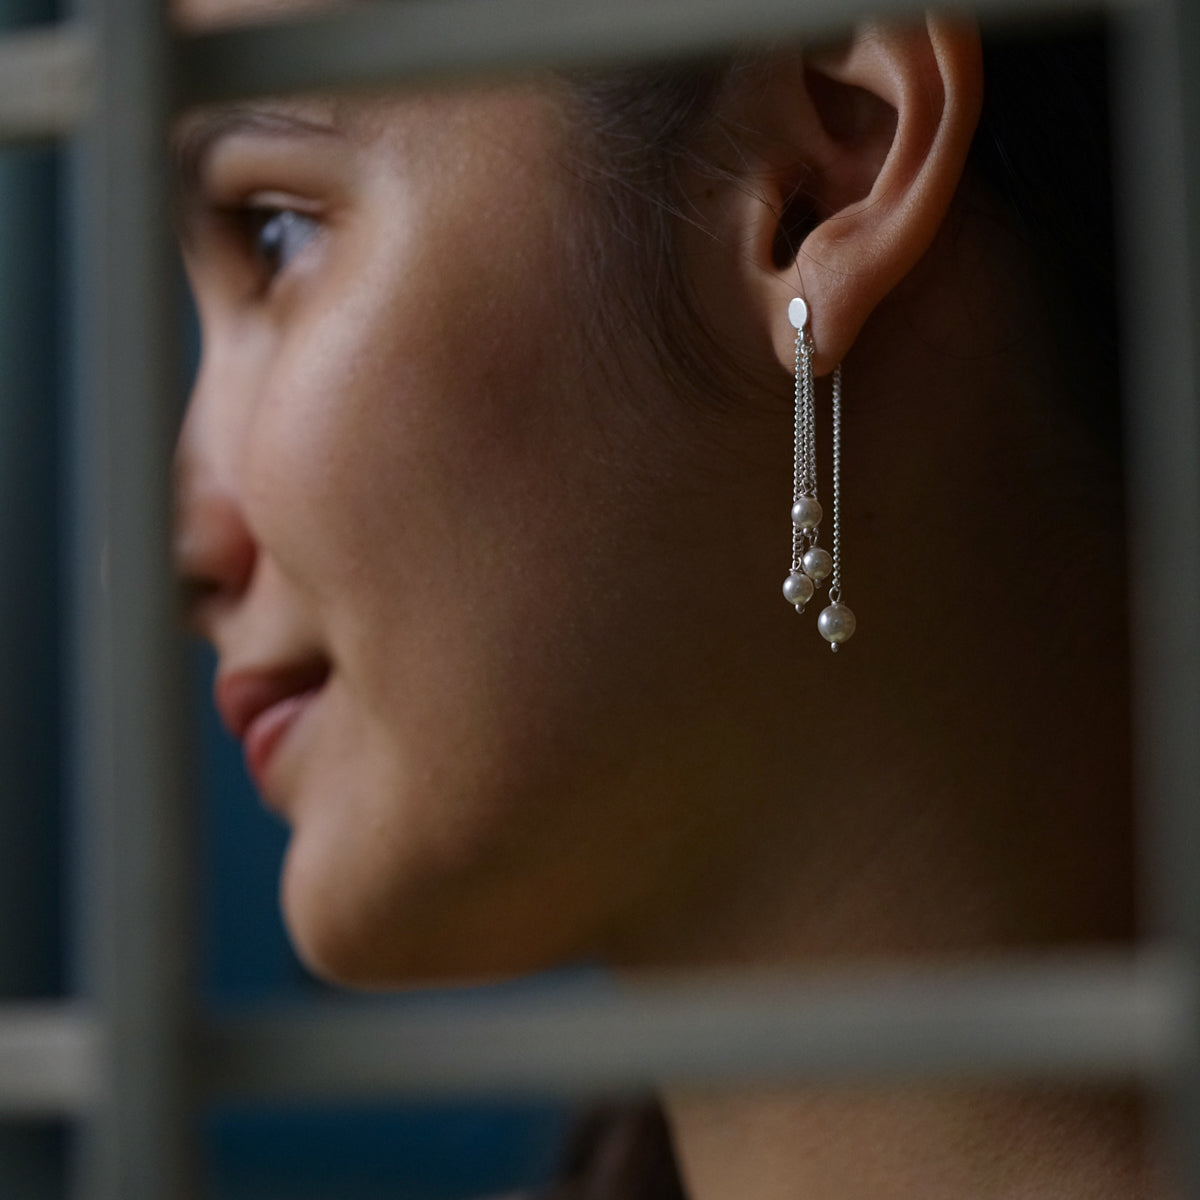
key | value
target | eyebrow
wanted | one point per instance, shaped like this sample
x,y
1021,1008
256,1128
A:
x,y
193,143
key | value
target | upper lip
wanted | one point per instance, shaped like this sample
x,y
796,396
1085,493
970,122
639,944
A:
x,y
244,694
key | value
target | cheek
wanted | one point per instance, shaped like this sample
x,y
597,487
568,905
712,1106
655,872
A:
x,y
406,393
406,447
415,470
493,549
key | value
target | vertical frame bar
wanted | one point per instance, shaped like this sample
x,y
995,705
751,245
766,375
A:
x,y
1157,121
129,705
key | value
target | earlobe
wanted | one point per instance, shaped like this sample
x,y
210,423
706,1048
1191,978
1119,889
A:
x,y
889,120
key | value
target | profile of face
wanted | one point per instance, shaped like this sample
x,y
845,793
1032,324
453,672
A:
x,y
495,597
459,627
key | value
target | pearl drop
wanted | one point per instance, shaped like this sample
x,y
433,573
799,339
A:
x,y
836,624
797,589
798,313
806,513
817,564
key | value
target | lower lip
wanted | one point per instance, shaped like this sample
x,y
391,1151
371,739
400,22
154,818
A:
x,y
267,731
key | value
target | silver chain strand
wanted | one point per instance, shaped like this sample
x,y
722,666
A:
x,y
798,465
810,563
802,473
797,468
835,583
810,421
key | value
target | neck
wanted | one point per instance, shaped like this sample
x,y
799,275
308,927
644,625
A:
x,y
955,783
936,1143
957,780
971,796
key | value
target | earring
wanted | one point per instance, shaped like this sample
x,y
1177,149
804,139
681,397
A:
x,y
811,563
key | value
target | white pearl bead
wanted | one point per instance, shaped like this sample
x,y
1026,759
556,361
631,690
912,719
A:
x,y
797,589
817,564
797,313
806,513
836,624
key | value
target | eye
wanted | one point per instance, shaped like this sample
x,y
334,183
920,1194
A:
x,y
278,235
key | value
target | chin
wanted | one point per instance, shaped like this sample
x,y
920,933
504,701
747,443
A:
x,y
412,931
340,935
347,959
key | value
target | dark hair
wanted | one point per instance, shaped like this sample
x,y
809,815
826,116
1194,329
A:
x,y
645,129
620,1153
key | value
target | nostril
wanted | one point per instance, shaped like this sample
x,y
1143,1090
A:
x,y
214,550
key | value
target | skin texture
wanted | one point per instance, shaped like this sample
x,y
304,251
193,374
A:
x,y
396,435
563,710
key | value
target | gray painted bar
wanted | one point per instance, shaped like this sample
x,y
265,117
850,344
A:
x,y
431,40
1158,125
46,75
49,1062
1106,1018
45,82
130,709
1098,1019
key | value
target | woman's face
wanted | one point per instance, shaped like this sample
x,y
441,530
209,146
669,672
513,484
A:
x,y
445,542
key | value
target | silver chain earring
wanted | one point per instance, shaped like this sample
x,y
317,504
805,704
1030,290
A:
x,y
812,563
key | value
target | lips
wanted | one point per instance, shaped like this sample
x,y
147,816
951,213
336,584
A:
x,y
259,707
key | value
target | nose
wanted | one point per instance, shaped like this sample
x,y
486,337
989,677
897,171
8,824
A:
x,y
214,549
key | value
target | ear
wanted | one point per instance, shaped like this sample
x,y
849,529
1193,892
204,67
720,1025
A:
x,y
881,127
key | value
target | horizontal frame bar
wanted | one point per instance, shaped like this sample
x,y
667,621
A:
x,y
1094,1018
421,41
46,82
1111,1018
46,75
1097,1019
50,1061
